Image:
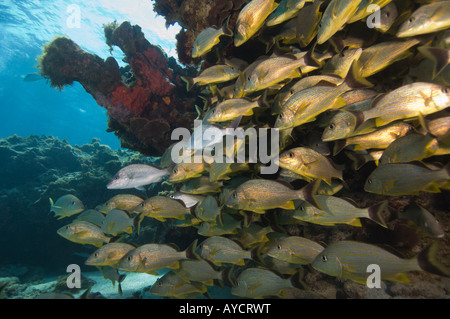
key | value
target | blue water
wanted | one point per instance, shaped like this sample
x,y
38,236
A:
x,y
34,107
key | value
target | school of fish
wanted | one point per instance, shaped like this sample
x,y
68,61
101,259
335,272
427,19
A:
x,y
349,85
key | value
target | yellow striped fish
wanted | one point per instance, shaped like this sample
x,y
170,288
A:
x,y
408,101
251,18
161,208
220,250
350,259
407,179
184,171
171,285
337,13
295,250
343,124
208,209
440,128
428,18
277,69
261,282
218,73
201,185
201,271
408,148
334,210
304,106
120,201
109,254
221,171
363,11
293,87
149,258
84,233
380,138
309,164
340,63
230,109
259,195
287,9
208,38
379,56
308,20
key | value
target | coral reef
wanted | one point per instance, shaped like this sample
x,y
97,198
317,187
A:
x,y
144,101
36,168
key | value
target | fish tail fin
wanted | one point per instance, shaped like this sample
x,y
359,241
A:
x,y
227,276
191,251
354,80
189,82
377,212
428,261
137,222
226,29
358,160
263,101
309,58
297,280
439,56
358,118
235,124
339,146
256,254
308,192
119,286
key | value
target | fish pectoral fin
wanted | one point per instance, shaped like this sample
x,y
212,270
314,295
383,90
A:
x,y
174,265
400,277
288,205
432,188
388,185
427,99
355,222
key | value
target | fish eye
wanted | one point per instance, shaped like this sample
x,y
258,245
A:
x,y
175,170
411,20
141,204
445,90
281,115
234,195
369,181
129,258
292,92
324,258
320,25
172,196
73,203
279,247
67,227
248,79
331,126
291,154
96,255
116,177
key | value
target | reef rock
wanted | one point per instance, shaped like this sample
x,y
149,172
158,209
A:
x,y
33,170
144,102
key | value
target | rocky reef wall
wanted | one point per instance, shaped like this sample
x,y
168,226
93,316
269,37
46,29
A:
x,y
36,168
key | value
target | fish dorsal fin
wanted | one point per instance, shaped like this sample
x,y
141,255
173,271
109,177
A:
x,y
284,183
376,100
